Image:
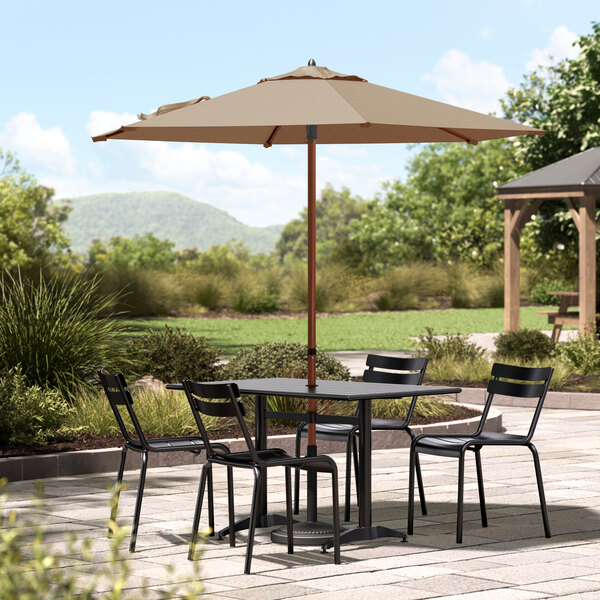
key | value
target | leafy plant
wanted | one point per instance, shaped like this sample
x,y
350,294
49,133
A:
x,y
31,414
455,347
525,344
255,301
59,330
583,354
539,292
171,355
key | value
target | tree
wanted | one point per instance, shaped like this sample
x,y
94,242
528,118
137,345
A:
x,y
564,100
335,212
30,224
140,252
447,210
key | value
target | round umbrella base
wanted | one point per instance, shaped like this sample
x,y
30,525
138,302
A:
x,y
308,533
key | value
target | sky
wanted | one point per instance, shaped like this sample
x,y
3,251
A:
x,y
73,69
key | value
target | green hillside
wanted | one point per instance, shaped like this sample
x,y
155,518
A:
x,y
188,223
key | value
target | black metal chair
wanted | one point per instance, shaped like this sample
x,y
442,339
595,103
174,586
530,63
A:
x,y
534,383
406,371
119,396
256,460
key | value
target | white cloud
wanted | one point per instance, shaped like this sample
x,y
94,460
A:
x,y
485,32
460,80
560,46
101,121
37,148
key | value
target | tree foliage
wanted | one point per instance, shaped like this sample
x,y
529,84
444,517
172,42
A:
x,y
447,210
30,224
335,213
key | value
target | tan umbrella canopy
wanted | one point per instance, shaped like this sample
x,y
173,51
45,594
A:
x,y
315,105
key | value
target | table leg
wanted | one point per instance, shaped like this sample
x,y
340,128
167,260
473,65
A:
x,y
263,519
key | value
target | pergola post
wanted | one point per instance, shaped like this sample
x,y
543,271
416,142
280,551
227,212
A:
x,y
512,264
587,264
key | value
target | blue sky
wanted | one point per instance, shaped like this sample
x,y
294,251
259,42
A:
x,y
73,69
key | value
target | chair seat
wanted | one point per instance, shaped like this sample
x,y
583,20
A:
x,y
190,444
330,431
387,424
451,445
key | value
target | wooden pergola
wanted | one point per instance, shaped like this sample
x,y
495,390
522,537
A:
x,y
576,180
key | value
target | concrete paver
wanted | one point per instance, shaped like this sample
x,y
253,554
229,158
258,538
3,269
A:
x,y
509,560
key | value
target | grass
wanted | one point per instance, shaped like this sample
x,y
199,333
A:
x,y
381,331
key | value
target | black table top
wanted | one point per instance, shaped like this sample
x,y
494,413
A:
x,y
332,390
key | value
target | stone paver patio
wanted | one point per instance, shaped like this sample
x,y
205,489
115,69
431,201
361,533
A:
x,y
509,560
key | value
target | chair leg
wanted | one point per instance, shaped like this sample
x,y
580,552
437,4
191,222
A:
x,y
336,519
540,484
419,476
230,504
211,504
349,456
411,491
115,499
484,521
201,486
459,508
288,509
252,523
138,502
297,478
356,467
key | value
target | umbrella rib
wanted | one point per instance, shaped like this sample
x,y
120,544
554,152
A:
x,y
269,142
459,136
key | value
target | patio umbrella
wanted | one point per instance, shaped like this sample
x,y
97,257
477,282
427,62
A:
x,y
308,106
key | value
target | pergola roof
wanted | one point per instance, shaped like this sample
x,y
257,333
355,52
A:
x,y
580,173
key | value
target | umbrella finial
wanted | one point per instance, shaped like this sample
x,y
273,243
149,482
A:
x,y
312,63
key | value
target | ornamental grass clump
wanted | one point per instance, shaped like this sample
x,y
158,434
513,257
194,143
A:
x,y
59,330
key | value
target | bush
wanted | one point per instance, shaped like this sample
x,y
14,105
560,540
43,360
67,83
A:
x,y
455,347
282,359
30,414
539,292
470,289
141,292
57,330
207,291
255,301
332,287
172,355
525,345
582,353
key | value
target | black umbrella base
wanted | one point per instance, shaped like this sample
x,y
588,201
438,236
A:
x,y
308,533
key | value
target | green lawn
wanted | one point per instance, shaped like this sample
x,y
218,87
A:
x,y
375,331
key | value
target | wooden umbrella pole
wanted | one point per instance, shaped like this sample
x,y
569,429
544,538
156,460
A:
x,y
312,283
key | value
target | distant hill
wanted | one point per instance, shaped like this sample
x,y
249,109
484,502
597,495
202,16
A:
x,y
188,223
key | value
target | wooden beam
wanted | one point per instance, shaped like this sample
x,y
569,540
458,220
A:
x,y
587,265
573,211
512,265
543,195
526,214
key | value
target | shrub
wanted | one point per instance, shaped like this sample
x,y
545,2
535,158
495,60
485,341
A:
x,y
172,355
332,287
525,345
455,347
539,292
582,353
141,292
58,330
208,292
283,359
30,414
255,301
470,289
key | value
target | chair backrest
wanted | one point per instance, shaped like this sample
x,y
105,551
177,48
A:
x,y
523,382
406,370
197,394
119,396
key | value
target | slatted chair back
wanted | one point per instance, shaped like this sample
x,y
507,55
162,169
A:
x,y
523,382
119,396
406,370
230,407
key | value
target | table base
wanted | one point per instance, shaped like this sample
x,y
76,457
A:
x,y
307,533
268,520
362,534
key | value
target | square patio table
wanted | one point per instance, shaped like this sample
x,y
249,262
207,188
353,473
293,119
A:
x,y
364,393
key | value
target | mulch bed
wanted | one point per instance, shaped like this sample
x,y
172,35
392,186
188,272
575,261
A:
x,y
114,440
